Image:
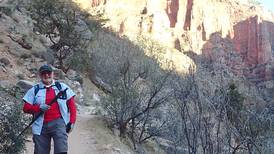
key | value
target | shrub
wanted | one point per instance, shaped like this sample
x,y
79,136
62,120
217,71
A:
x,y
10,126
11,122
8,10
64,24
138,86
235,104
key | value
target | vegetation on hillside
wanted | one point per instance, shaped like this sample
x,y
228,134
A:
x,y
12,121
138,86
147,102
69,29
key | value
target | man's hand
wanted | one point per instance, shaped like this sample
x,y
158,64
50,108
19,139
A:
x,y
44,107
69,127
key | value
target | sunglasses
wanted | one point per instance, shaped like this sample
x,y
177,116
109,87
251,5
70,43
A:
x,y
46,73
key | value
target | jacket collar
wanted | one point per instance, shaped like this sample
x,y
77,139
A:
x,y
42,85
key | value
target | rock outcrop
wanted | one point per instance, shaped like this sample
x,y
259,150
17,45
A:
x,y
25,85
254,40
187,25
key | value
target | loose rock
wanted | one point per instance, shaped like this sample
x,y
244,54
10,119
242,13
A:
x,y
5,61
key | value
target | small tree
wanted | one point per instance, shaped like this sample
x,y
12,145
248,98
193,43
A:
x,y
250,127
235,105
62,22
138,87
215,122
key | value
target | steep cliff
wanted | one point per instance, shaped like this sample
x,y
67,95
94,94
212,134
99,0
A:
x,y
187,25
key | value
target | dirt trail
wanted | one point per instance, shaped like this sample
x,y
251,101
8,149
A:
x,y
90,136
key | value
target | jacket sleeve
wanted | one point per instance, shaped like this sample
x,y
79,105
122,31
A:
x,y
29,108
72,109
29,96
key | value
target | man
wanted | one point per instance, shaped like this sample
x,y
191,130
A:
x,y
57,120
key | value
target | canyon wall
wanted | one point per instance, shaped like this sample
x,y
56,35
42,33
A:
x,y
188,25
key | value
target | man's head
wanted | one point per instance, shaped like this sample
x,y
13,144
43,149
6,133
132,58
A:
x,y
46,74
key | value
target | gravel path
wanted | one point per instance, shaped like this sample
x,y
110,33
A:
x,y
90,136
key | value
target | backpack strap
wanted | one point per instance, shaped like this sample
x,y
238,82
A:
x,y
64,96
36,89
58,85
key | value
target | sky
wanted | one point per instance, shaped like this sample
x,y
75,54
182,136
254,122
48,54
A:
x,y
268,4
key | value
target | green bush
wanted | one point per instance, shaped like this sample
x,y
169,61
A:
x,y
11,123
235,104
67,27
6,10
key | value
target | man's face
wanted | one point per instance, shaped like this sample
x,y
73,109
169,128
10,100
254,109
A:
x,y
46,77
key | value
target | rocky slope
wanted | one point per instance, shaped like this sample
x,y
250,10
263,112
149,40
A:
x,y
22,52
192,25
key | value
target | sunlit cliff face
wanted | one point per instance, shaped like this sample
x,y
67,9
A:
x,y
191,26
153,19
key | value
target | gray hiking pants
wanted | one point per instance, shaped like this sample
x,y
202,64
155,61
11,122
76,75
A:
x,y
55,129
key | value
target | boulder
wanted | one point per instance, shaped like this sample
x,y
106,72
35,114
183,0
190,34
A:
x,y
20,76
24,85
5,61
5,84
